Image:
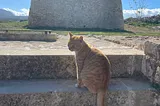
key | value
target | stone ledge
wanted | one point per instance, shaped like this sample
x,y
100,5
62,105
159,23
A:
x,y
122,92
27,37
63,85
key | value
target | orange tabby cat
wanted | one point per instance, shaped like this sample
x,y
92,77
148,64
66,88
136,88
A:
x,y
93,67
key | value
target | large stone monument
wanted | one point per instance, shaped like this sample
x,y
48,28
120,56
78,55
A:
x,y
83,14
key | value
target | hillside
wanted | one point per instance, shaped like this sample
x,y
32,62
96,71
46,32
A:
x,y
144,22
9,16
5,14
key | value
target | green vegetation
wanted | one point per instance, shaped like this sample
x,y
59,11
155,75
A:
x,y
14,25
131,29
143,24
148,22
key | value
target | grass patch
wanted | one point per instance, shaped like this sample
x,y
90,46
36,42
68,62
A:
x,y
134,29
17,25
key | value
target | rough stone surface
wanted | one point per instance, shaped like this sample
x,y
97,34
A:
x,y
152,49
83,14
125,65
122,92
149,68
36,67
61,66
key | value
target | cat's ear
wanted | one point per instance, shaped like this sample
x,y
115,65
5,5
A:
x,y
70,34
81,38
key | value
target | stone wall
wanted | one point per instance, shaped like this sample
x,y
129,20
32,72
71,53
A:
x,y
61,66
83,14
151,62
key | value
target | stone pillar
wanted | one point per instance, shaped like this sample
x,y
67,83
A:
x,y
76,14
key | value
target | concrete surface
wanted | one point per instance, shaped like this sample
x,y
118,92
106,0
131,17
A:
x,y
122,92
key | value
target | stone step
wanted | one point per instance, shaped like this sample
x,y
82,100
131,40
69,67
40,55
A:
x,y
54,64
122,92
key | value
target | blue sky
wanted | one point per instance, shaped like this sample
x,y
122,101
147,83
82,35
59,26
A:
x,y
15,4
151,4
21,7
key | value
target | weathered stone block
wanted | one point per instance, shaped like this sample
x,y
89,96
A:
x,y
61,66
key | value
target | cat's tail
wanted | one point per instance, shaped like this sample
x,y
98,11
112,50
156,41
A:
x,y
101,97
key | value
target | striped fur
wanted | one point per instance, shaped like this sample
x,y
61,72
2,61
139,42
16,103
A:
x,y
93,67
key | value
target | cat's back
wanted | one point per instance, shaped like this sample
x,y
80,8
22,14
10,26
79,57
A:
x,y
96,60
96,70
97,55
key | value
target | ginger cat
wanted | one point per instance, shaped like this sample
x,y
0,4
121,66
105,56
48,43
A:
x,y
93,67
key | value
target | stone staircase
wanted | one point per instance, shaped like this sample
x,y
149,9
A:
x,y
36,78
47,77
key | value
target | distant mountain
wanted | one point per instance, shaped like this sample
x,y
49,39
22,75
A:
x,y
9,16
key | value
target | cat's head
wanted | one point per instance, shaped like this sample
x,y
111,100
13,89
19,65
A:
x,y
75,42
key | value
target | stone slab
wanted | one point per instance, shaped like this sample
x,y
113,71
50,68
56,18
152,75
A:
x,y
122,92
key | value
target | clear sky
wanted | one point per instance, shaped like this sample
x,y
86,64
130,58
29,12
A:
x,y
150,4
21,7
16,5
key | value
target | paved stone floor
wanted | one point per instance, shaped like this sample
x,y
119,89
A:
x,y
60,47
